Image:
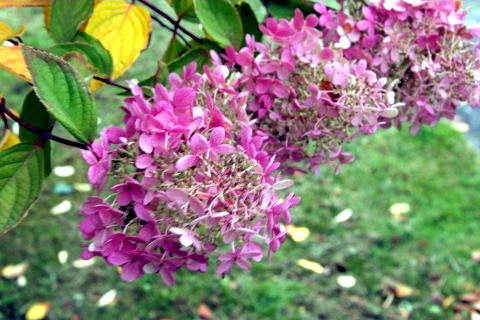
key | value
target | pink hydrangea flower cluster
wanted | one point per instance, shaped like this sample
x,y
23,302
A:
x,y
194,167
183,189
423,45
305,98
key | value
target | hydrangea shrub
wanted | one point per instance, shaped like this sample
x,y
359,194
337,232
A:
x,y
193,176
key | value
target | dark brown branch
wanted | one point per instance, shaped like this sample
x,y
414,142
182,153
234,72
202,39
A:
x,y
44,134
163,25
176,24
111,83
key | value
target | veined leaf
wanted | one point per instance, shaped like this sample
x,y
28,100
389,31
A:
x,y
99,58
81,65
63,92
21,177
35,113
184,9
199,54
258,9
7,33
123,29
67,16
249,21
12,60
221,21
23,3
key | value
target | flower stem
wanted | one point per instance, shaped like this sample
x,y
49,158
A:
x,y
44,134
176,24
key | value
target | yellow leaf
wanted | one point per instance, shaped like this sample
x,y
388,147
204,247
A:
x,y
399,208
403,291
38,311
298,234
12,60
46,17
311,265
8,140
23,3
13,271
7,33
448,301
123,29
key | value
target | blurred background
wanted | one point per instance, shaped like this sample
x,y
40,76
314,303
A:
x,y
394,236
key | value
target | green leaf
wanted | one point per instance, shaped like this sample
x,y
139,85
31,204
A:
x,y
330,3
183,8
175,49
249,21
66,16
258,9
221,21
81,65
280,11
65,95
21,177
34,113
97,56
198,54
285,9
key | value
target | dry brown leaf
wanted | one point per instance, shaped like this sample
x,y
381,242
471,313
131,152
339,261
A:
x,y
38,310
14,271
298,234
311,265
204,312
448,301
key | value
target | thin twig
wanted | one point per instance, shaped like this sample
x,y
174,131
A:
x,y
111,83
176,24
45,134
163,25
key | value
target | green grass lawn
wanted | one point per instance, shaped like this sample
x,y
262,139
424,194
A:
x,y
435,172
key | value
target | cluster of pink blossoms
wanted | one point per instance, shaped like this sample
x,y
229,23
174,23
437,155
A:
x,y
421,45
184,189
305,97
194,168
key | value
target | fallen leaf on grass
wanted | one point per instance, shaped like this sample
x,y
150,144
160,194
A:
x,y
399,211
38,311
108,298
311,265
82,187
62,256
14,271
204,312
343,216
64,171
22,281
61,208
400,290
399,208
82,264
346,281
298,234
447,302
476,255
